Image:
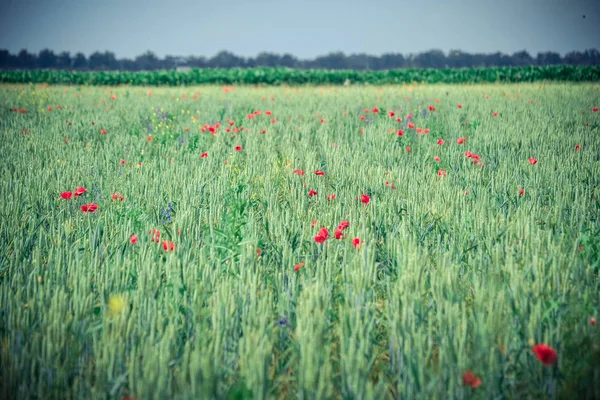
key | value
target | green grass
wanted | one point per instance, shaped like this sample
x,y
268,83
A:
x,y
445,282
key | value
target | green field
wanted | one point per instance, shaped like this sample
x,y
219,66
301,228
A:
x,y
448,268
287,76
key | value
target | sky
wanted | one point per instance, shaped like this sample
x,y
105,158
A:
x,y
303,28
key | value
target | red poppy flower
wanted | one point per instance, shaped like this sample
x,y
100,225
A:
x,y
258,252
168,245
470,379
312,193
442,172
118,196
122,162
390,184
546,354
521,192
494,114
103,131
273,120
431,108
578,147
411,125
461,140
49,108
322,235
400,132
391,114
365,199
314,223
322,120
338,234
80,191
460,106
436,158
330,197
343,225
66,195
356,242
203,155
133,239
267,112
91,207
67,140
408,149
595,109
362,117
440,141
113,97
298,266
592,321
375,110
238,148
154,235
532,161
319,173
299,172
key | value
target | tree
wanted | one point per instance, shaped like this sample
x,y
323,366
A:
x,y
431,59
522,59
392,61
147,62
548,58
80,62
64,60
288,61
335,60
196,62
7,60
26,60
47,59
103,61
225,59
267,60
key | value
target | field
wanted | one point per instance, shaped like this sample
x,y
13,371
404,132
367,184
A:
x,y
194,263
288,76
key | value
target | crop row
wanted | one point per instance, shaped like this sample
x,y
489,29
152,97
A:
x,y
280,76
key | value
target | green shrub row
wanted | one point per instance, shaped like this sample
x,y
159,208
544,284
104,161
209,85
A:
x,y
279,76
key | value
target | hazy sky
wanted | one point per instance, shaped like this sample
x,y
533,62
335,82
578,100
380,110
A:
x,y
304,28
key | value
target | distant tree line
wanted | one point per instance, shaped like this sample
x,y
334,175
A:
x,y
107,61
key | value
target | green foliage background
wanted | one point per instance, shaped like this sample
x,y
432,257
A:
x,y
280,76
